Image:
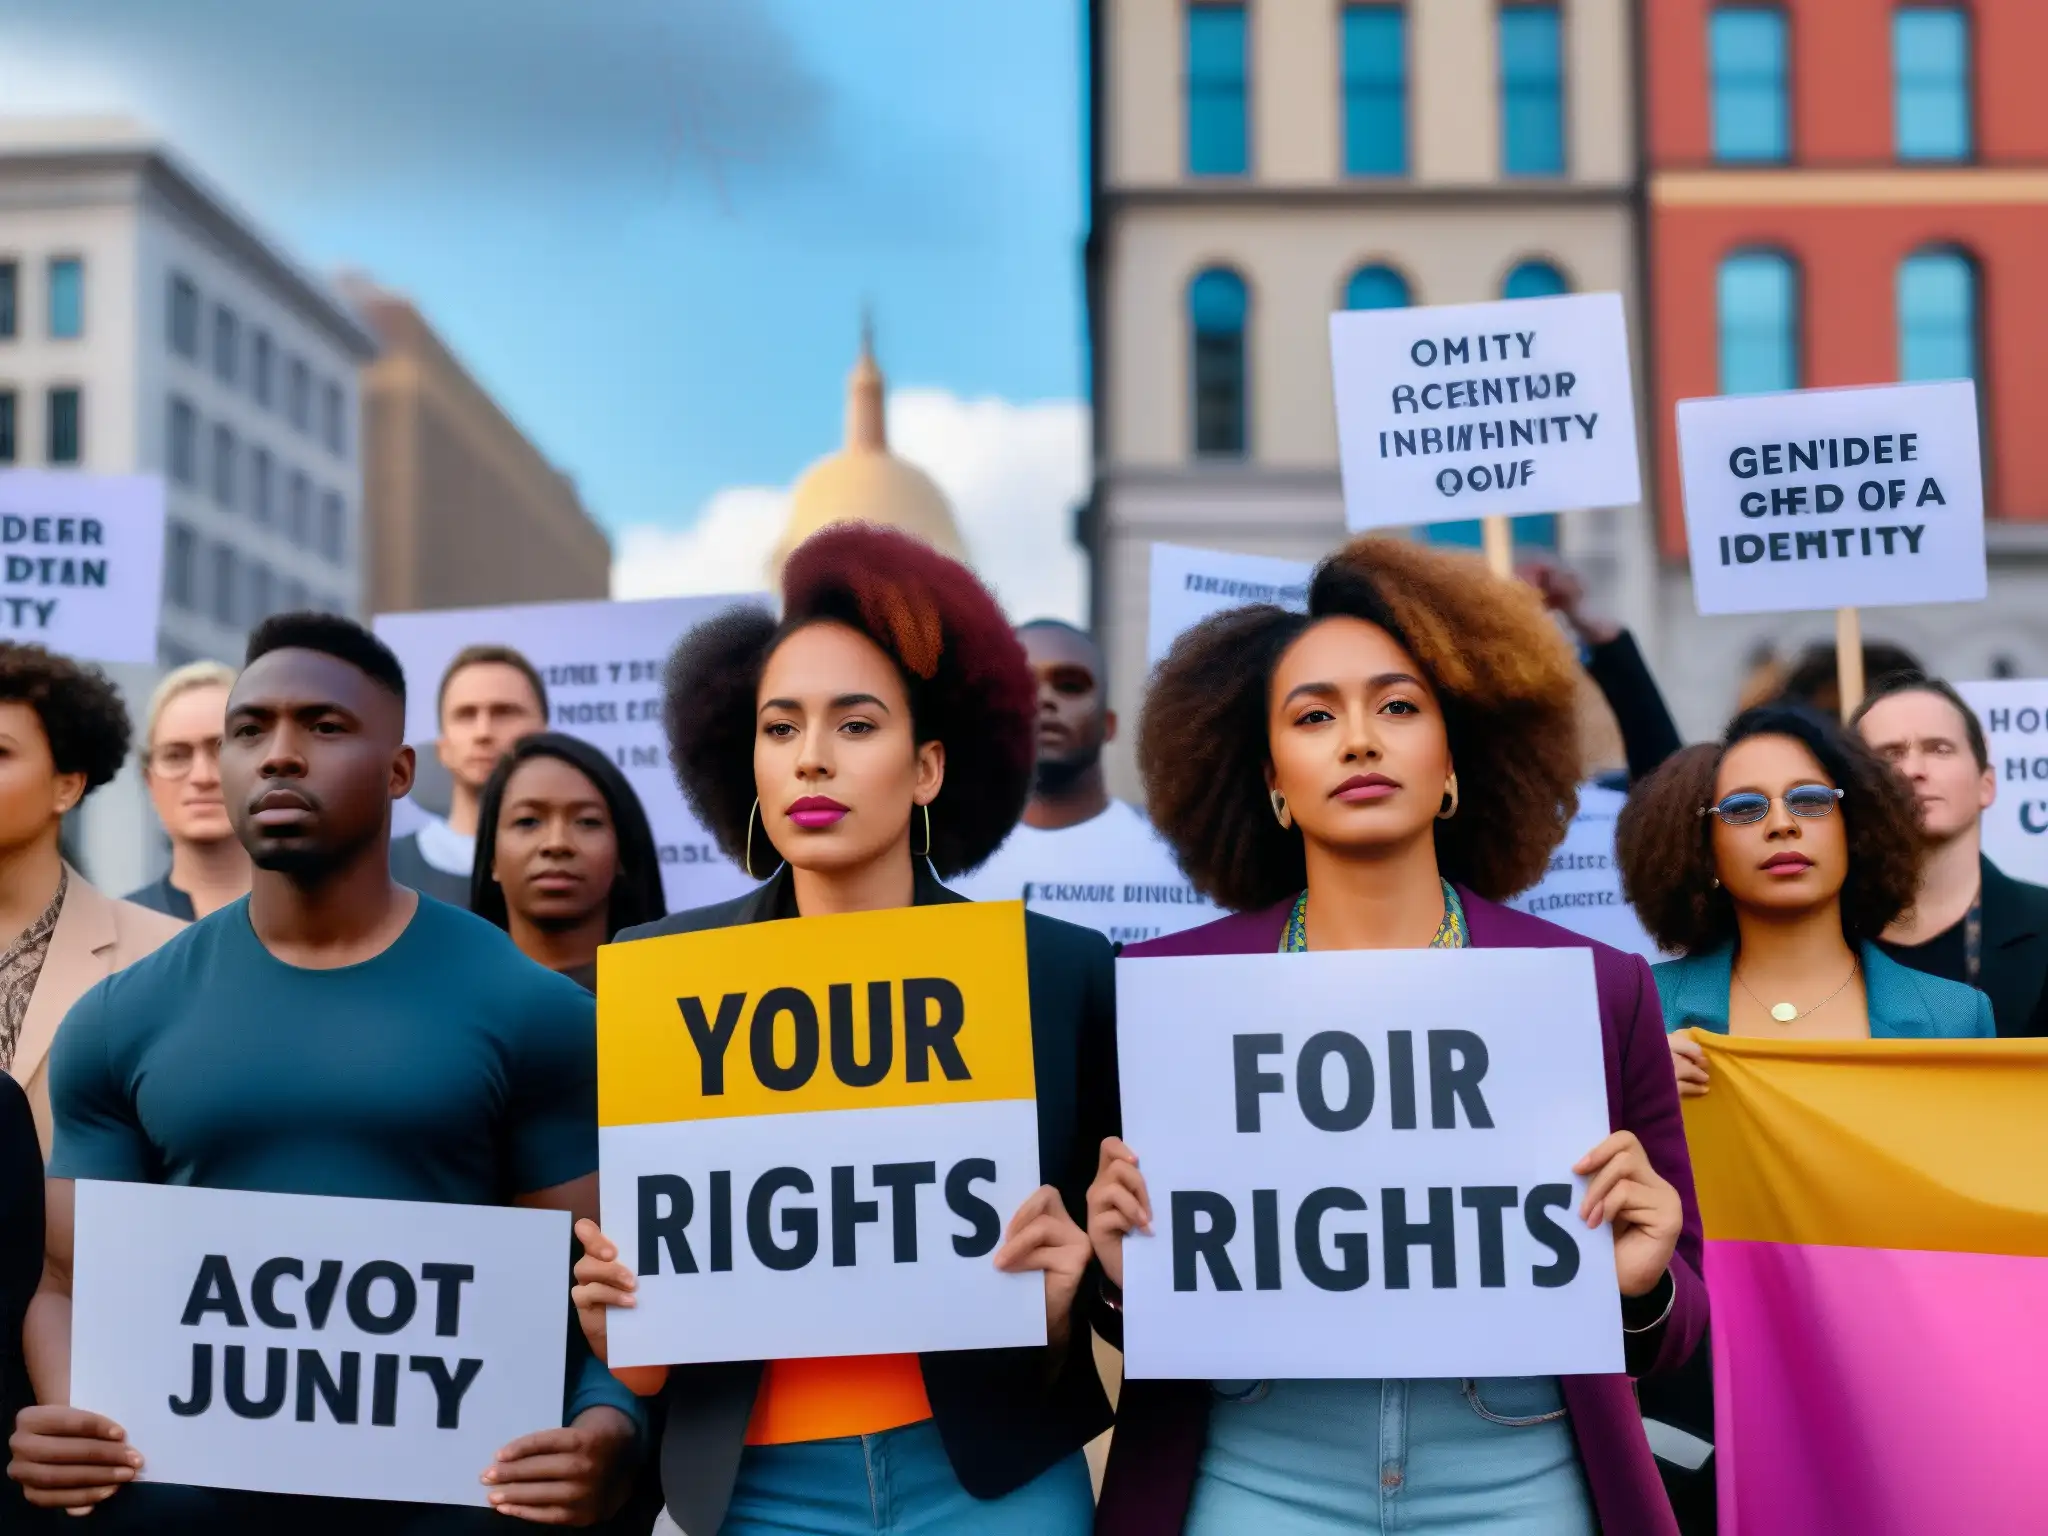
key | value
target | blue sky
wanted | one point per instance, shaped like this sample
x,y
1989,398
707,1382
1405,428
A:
x,y
648,226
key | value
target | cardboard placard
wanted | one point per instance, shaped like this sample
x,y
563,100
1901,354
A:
x,y
82,562
812,1133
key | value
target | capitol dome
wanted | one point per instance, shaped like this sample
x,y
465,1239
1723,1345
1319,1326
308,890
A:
x,y
864,482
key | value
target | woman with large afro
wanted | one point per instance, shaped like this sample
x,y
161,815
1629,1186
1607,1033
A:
x,y
1380,773
875,740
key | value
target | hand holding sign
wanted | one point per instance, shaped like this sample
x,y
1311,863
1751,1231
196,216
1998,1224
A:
x,y
67,1458
1623,1191
1043,1236
567,1476
1118,1204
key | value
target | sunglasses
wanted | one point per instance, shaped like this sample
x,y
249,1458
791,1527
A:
x,y
1746,807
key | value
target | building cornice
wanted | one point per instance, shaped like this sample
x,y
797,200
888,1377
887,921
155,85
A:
x,y
1890,186
1350,195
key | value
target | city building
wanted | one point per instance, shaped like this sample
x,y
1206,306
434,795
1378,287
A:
x,y
1852,192
1255,166
460,509
146,326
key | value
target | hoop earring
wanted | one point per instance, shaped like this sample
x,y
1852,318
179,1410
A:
x,y
1449,808
926,851
1279,804
748,864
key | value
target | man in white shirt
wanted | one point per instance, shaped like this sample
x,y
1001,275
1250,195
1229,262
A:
x,y
1078,854
491,697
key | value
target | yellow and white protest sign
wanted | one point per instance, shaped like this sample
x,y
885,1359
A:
x,y
812,1133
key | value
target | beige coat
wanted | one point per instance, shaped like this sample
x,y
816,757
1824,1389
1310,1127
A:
x,y
96,935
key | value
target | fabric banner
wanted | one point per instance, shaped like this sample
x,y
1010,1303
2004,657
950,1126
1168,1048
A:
x,y
1877,1256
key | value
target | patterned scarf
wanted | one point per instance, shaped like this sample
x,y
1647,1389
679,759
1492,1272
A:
x,y
1450,933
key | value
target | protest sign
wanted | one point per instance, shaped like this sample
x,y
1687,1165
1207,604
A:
x,y
1190,584
1371,1177
1470,410
822,1158
1113,873
1833,498
602,663
1582,888
306,1344
2014,714
82,558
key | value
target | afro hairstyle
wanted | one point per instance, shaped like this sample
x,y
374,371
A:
x,y
963,669
80,709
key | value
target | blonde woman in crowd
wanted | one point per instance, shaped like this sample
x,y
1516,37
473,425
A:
x,y
181,765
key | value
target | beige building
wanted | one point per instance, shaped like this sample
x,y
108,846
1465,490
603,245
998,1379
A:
x,y
1257,166
460,508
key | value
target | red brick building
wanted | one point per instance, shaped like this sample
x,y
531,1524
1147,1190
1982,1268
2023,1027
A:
x,y
1850,192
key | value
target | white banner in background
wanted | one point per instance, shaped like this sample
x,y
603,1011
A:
x,y
602,662
1834,498
308,1344
1464,410
1190,584
82,562
1582,888
2014,714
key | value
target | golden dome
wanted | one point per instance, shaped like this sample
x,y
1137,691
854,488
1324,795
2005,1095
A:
x,y
864,482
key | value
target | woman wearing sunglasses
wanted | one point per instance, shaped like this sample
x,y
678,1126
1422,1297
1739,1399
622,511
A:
x,y
1771,863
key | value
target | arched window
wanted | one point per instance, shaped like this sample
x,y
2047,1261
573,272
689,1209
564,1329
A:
x,y
1217,309
1534,280
1757,310
1937,316
1377,288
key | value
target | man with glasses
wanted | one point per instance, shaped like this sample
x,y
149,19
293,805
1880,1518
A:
x,y
1972,922
181,766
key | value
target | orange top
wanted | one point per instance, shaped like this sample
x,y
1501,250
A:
x,y
831,1398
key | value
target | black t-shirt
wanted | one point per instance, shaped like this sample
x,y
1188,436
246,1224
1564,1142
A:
x,y
1945,955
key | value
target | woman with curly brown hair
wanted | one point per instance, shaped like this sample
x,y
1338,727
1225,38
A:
x,y
1771,863
1378,774
877,740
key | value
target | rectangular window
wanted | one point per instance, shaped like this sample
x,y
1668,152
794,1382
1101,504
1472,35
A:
x,y
10,287
1218,136
184,334
262,485
224,465
67,427
332,533
181,448
299,394
1531,90
333,418
181,555
1931,69
227,344
67,298
226,572
1376,90
7,448
260,368
1748,58
299,512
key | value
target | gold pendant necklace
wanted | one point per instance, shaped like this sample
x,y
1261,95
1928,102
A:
x,y
1787,1013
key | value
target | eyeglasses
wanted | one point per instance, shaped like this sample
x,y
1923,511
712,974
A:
x,y
174,759
1746,807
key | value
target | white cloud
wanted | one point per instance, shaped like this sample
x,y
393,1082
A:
x,y
1014,474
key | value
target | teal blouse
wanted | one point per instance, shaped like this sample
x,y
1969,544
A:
x,y
1904,1004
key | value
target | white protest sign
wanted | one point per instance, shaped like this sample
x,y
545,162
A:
x,y
602,663
307,1344
2014,714
1113,873
812,1133
1582,888
1360,1165
1467,410
82,562
1834,498
1188,585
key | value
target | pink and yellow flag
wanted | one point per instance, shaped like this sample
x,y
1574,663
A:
x,y
1877,1258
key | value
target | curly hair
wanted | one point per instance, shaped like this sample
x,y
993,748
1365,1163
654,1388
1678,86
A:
x,y
963,669
1496,661
1666,849
80,708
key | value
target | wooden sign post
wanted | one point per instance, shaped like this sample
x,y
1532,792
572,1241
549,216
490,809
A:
x,y
1849,659
1498,540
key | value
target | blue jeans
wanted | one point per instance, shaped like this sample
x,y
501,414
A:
x,y
1362,1458
898,1483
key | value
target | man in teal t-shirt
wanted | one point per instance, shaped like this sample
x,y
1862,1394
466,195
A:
x,y
333,1033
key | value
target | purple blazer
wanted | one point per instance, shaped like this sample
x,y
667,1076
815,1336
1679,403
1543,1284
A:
x,y
1161,1425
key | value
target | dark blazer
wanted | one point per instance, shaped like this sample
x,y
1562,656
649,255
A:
x,y
2014,957
21,1267
1161,1425
1002,1414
